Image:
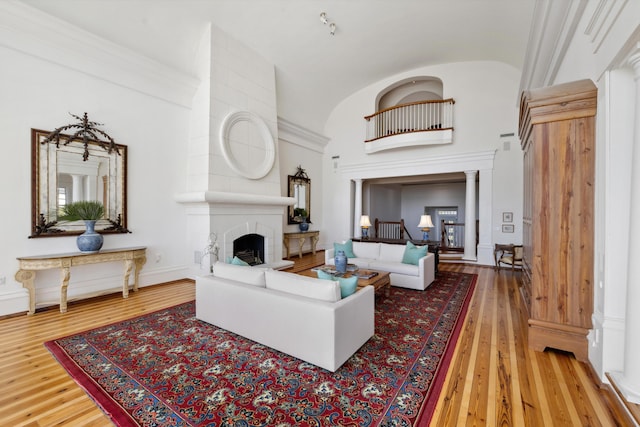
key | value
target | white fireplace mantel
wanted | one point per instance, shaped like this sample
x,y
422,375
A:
x,y
222,197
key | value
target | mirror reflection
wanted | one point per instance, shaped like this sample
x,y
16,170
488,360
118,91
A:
x,y
60,176
300,190
300,194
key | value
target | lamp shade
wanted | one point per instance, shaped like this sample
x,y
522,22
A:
x,y
425,221
364,221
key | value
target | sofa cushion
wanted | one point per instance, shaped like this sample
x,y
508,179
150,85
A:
x,y
396,267
249,275
362,262
413,253
366,250
389,252
347,247
238,261
325,290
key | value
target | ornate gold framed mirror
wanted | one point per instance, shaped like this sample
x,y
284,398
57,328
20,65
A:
x,y
60,175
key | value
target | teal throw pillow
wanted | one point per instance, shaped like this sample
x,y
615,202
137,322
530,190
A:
x,y
238,261
413,253
324,275
348,285
347,247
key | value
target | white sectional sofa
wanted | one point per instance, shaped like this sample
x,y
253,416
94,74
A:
x,y
297,315
388,257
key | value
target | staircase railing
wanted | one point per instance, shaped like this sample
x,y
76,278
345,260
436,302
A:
x,y
420,116
452,236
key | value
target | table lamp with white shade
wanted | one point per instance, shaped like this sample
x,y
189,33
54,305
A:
x,y
425,224
365,223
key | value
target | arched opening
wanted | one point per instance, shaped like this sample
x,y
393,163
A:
x,y
415,89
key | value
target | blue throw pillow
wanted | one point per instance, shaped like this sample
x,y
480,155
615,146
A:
x,y
413,253
238,261
348,285
347,247
324,275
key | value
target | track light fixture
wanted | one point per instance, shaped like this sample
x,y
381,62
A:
x,y
325,21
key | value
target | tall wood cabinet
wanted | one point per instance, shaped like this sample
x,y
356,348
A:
x,y
557,132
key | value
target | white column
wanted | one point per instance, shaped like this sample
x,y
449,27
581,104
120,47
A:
x,y
357,209
629,380
485,196
91,186
77,193
470,217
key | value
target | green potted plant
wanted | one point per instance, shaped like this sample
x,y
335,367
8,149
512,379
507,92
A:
x,y
88,211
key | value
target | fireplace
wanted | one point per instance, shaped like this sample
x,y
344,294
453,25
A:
x,y
249,248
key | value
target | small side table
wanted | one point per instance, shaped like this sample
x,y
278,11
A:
x,y
313,236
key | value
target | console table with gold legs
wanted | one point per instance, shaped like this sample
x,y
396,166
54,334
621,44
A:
x,y
313,236
134,258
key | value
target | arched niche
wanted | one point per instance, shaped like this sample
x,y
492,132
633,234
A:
x,y
423,88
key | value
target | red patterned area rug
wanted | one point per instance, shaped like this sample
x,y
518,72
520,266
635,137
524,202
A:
x,y
169,369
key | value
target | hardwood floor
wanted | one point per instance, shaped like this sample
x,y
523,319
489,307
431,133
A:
x,y
494,378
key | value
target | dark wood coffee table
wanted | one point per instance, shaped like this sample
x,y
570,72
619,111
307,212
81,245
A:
x,y
380,281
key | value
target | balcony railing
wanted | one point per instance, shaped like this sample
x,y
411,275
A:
x,y
424,116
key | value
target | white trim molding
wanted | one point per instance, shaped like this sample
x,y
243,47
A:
x,y
553,26
294,134
32,32
265,147
459,162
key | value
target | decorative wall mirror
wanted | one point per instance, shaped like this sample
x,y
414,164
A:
x,y
299,189
59,175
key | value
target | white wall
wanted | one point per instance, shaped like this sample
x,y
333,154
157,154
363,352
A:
x,y
486,96
416,197
301,147
40,84
507,188
385,203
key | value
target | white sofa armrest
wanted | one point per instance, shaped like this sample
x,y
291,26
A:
x,y
329,256
427,267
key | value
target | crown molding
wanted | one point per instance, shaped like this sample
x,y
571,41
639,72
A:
x,y
298,135
602,21
32,32
553,25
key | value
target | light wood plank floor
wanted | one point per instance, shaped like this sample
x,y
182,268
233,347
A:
x,y
493,380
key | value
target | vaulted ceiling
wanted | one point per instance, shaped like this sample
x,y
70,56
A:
x,y
315,70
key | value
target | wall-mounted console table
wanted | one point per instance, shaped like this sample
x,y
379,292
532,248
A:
x,y
134,258
313,236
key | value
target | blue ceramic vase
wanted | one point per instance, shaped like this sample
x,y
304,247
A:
x,y
341,262
304,225
90,241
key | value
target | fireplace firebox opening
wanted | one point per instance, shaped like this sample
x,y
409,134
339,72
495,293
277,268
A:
x,y
249,248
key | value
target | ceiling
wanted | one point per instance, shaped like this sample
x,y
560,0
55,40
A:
x,y
315,71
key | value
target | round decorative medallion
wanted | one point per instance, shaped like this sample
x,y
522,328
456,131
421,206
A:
x,y
247,144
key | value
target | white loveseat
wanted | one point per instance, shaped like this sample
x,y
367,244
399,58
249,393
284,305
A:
x,y
388,257
297,315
